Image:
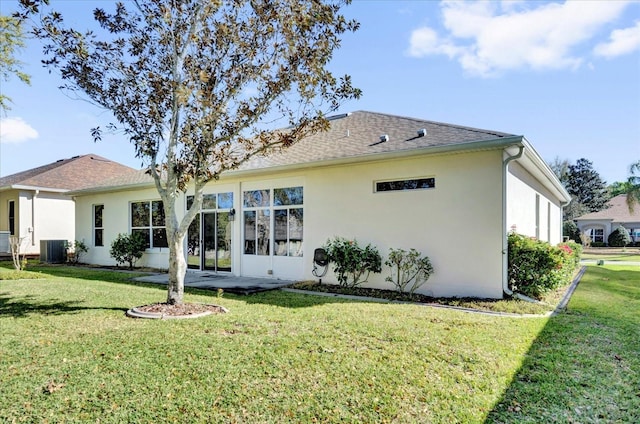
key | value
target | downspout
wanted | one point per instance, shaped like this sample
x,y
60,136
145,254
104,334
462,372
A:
x,y
505,240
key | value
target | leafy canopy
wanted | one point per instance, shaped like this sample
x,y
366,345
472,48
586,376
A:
x,y
197,86
11,40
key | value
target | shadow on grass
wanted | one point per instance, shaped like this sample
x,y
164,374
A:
x,y
22,307
584,366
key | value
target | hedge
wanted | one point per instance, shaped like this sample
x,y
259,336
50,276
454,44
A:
x,y
536,267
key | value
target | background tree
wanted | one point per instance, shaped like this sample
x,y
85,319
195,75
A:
x,y
633,186
560,167
11,39
198,85
587,189
618,187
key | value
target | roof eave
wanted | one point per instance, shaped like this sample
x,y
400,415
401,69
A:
x,y
34,188
104,189
497,143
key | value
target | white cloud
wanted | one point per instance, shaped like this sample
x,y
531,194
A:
x,y
621,41
488,38
16,130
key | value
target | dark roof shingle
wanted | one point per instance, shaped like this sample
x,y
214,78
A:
x,y
618,211
74,173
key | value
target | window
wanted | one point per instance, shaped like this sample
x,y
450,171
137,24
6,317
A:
x,y
214,201
147,218
98,229
403,185
285,231
257,222
12,217
288,221
596,235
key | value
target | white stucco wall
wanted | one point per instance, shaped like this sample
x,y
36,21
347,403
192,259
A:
x,y
458,224
41,216
531,209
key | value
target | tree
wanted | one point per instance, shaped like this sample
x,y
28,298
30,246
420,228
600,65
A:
x,y
586,188
618,187
11,39
197,86
633,186
560,167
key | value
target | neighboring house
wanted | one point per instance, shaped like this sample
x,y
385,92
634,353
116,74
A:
x,y
451,192
598,225
34,204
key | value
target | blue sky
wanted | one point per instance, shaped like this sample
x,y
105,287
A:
x,y
566,75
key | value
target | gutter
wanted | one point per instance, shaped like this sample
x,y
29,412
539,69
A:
x,y
505,241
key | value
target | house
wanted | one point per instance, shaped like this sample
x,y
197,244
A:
x,y
449,191
34,204
598,225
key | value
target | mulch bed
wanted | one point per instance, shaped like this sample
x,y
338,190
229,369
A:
x,y
184,309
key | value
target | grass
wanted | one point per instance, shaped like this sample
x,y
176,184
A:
x,y
68,354
584,367
617,257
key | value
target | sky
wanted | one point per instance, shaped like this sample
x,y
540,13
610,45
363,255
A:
x,y
566,75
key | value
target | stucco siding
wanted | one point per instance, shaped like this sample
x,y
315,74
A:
x,y
531,209
457,224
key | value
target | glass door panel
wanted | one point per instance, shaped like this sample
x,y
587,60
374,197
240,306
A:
x,y
209,240
223,242
193,243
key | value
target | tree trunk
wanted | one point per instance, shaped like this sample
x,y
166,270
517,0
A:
x,y
177,270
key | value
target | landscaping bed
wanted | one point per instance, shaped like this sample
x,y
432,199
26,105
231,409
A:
x,y
510,305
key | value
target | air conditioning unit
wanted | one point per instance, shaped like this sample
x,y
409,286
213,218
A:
x,y
53,251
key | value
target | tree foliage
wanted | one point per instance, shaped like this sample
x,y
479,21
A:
x,y
11,40
587,189
633,186
197,86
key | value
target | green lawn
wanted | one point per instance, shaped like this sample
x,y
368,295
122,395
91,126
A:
x,y
617,257
68,354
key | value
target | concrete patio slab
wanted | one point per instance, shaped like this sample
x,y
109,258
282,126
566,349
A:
x,y
228,283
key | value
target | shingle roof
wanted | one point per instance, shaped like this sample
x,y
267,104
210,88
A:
x,y
351,135
74,173
618,211
358,134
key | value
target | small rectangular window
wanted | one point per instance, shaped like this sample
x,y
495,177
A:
x,y
403,185
98,228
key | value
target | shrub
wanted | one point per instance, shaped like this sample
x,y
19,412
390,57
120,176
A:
x,y
570,230
409,268
352,263
75,251
536,267
128,248
619,237
598,244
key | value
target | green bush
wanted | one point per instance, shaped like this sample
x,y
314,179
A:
x,y
598,244
75,251
619,237
570,230
128,248
536,267
408,269
352,263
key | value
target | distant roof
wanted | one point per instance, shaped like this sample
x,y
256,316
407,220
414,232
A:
x,y
64,175
358,134
618,211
